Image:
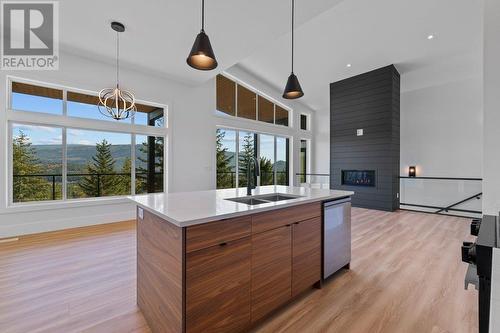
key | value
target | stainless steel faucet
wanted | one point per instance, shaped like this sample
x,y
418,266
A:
x,y
256,173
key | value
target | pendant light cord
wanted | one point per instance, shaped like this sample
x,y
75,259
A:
x,y
202,15
117,59
293,14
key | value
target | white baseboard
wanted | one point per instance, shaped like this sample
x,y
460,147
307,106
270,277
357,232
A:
x,y
67,222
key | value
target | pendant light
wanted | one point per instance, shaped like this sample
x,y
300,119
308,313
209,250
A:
x,y
293,89
202,56
114,102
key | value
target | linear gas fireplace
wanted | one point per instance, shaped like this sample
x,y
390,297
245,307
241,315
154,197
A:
x,y
358,177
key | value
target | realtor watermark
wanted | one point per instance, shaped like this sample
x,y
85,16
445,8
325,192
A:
x,y
30,35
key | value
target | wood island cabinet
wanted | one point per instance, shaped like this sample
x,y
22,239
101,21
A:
x,y
218,287
271,270
306,254
225,276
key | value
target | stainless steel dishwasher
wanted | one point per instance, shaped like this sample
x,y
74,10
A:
x,y
336,235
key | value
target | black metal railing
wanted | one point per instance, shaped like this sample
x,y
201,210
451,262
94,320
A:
x,y
451,208
224,178
309,177
55,179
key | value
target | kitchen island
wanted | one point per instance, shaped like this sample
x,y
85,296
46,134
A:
x,y
220,261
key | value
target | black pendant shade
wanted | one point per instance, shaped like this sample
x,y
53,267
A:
x,y
293,89
202,56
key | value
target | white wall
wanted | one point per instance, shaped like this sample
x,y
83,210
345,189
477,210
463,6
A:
x,y
491,161
441,133
441,129
321,142
191,153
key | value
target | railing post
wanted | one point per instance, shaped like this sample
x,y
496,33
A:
x,y
53,187
98,185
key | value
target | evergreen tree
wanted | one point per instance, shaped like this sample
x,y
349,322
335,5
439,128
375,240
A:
x,y
142,168
247,151
101,181
266,171
125,180
224,171
25,162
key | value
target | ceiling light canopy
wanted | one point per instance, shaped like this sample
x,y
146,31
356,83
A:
x,y
430,37
202,56
114,102
293,89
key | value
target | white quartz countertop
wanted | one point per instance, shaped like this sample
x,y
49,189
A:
x,y
190,208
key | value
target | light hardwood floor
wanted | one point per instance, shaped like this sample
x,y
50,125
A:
x,y
405,277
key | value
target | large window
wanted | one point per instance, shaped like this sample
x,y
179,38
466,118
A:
x,y
236,100
303,161
149,152
282,166
226,158
29,97
99,164
70,159
234,148
36,163
266,152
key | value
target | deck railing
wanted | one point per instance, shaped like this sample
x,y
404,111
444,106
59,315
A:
x,y
55,179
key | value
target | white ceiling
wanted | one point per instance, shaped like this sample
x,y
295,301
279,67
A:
x,y
160,33
370,34
255,35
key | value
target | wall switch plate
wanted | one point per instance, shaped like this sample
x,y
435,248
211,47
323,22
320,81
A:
x,y
140,213
397,195
359,132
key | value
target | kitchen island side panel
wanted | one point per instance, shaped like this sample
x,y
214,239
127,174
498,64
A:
x,y
160,267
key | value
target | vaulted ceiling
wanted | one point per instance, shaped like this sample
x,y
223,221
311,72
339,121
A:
x,y
255,36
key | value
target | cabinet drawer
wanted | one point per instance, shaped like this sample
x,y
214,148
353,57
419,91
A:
x,y
213,233
277,218
218,288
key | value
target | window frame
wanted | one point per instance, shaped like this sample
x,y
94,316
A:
x,y
308,122
65,122
237,131
307,156
258,93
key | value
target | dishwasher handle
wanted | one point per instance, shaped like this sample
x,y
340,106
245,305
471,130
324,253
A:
x,y
336,202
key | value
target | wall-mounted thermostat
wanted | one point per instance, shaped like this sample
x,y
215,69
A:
x,y
359,132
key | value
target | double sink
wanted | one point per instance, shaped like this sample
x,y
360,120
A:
x,y
264,198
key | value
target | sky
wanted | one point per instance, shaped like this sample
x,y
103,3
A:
x,y
45,135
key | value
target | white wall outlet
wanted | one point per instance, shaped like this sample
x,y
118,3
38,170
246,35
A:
x,y
359,132
397,195
140,213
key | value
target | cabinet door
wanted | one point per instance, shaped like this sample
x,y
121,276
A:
x,y
218,288
271,270
306,258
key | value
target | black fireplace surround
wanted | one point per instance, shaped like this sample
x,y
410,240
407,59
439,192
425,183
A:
x,y
358,177
366,162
